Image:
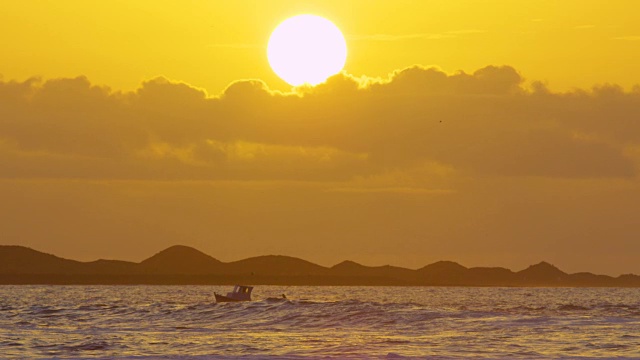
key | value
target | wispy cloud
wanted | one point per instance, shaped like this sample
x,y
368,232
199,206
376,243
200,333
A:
x,y
466,31
423,36
628,38
392,190
235,46
390,37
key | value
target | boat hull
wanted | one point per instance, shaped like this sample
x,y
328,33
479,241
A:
x,y
222,298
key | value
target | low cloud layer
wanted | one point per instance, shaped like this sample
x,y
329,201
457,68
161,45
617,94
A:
x,y
422,166
486,123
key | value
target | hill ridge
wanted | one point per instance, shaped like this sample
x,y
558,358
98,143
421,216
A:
x,y
180,264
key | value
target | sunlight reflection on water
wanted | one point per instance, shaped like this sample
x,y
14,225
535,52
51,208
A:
x,y
370,322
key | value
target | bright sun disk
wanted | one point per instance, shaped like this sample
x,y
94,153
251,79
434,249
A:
x,y
306,49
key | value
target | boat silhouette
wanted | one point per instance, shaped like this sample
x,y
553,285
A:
x,y
239,293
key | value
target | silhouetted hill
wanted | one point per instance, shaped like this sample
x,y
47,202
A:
x,y
110,267
494,276
271,265
628,280
384,273
180,259
186,265
442,266
349,267
443,273
589,279
24,260
542,273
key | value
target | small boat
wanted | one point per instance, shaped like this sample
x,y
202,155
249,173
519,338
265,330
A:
x,y
239,293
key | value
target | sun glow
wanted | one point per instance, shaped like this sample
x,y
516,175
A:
x,y
306,49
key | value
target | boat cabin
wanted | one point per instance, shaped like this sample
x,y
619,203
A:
x,y
241,293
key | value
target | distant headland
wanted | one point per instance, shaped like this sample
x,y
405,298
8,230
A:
x,y
183,265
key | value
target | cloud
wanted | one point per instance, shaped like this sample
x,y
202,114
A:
x,y
584,27
411,180
628,38
487,123
417,80
415,36
236,45
390,37
392,190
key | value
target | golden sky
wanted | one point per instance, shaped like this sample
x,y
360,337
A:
x,y
492,133
209,43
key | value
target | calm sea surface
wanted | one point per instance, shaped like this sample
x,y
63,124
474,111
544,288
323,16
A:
x,y
168,322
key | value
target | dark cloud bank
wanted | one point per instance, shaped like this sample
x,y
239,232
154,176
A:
x,y
486,123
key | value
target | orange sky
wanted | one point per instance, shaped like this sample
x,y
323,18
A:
x,y
142,132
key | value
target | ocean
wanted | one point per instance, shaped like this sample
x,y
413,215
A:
x,y
327,322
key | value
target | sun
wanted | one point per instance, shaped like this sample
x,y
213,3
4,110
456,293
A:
x,y
306,49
